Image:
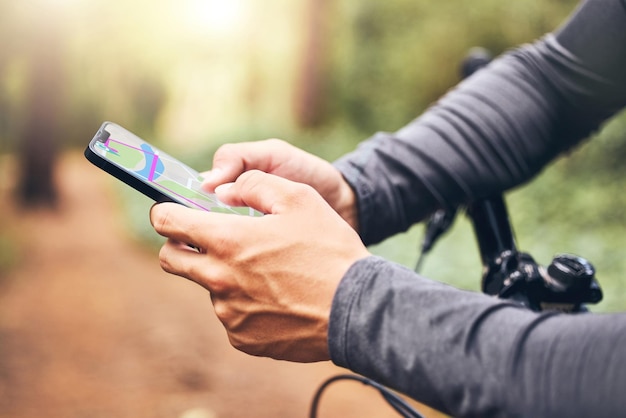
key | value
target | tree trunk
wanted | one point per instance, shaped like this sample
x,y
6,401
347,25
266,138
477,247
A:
x,y
310,93
39,134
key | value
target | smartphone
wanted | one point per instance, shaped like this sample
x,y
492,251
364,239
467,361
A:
x,y
152,172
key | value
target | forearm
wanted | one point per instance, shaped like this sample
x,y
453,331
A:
x,y
472,355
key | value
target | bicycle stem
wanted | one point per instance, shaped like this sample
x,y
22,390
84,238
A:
x,y
494,235
566,284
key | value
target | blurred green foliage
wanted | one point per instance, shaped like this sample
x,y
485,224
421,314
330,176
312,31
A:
x,y
393,58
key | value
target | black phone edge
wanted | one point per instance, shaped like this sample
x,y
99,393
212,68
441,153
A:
x,y
127,178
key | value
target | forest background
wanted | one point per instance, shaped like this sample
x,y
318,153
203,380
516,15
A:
x,y
190,75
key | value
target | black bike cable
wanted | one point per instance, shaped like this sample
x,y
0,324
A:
x,y
396,402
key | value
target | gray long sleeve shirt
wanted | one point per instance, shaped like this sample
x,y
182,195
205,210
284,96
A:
x,y
462,352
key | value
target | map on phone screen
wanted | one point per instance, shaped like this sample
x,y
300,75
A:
x,y
165,173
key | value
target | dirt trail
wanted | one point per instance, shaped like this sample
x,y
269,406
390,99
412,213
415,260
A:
x,y
91,327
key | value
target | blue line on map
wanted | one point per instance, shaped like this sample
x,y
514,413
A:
x,y
154,166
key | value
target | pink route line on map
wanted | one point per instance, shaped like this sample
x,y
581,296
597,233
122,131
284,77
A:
x,y
155,159
126,145
108,142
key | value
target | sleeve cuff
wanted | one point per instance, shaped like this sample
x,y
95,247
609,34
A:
x,y
348,293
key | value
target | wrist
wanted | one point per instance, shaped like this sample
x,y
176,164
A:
x,y
347,204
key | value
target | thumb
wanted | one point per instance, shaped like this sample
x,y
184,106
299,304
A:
x,y
264,192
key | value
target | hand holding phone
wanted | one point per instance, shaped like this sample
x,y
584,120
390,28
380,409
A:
x,y
152,172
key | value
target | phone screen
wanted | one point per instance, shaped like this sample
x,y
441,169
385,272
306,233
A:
x,y
152,171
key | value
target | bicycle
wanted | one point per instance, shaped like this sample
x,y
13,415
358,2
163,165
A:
x,y
567,284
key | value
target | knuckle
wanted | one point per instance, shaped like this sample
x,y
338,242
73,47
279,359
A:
x,y
229,157
241,341
250,180
218,283
225,314
250,176
224,151
301,194
164,259
188,228
249,345
218,287
222,247
223,244
161,219
195,272
239,344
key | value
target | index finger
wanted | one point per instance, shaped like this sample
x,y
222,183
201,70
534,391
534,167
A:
x,y
191,226
231,160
